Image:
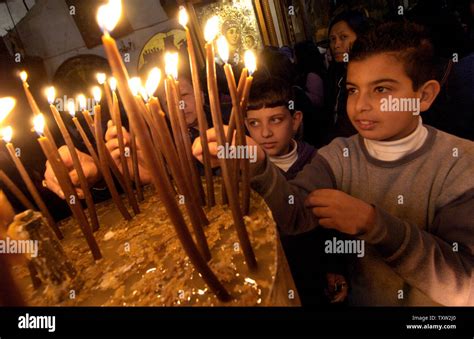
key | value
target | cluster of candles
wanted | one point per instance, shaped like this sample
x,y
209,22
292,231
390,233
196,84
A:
x,y
167,154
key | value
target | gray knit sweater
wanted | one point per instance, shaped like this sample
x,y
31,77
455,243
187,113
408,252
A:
x,y
421,250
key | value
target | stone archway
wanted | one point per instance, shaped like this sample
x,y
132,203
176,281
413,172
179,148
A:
x,y
78,74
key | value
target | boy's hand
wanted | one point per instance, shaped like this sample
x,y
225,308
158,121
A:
x,y
111,142
340,211
337,288
89,168
114,150
213,150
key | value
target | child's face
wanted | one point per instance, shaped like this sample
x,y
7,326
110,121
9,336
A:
x,y
273,128
374,86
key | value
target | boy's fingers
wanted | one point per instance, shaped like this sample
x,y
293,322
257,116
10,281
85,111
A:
x,y
322,212
211,135
112,145
80,193
197,148
327,223
74,177
314,200
66,156
51,181
111,132
115,155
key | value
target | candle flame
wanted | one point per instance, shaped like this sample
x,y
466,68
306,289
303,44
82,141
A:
x,y
211,29
113,83
71,108
153,81
171,64
7,134
6,106
101,78
82,102
38,123
223,48
51,94
135,85
108,15
23,76
250,61
183,16
97,93
144,94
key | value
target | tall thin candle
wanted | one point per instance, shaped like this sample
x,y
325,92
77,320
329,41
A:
x,y
51,93
7,136
10,185
115,113
202,121
104,165
66,185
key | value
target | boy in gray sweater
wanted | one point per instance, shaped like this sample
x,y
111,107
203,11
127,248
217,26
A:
x,y
403,192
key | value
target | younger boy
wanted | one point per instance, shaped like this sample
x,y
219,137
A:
x,y
272,122
404,189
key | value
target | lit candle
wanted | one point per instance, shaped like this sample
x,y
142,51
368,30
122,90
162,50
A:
x,y
108,158
240,90
66,185
250,65
34,106
6,106
202,121
83,134
117,120
138,93
108,15
173,116
85,113
171,64
210,33
104,166
31,101
135,167
16,191
7,134
223,50
51,94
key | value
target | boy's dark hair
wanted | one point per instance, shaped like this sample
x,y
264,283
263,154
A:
x,y
408,41
269,91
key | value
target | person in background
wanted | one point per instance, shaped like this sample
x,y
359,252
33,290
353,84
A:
x,y
343,31
311,75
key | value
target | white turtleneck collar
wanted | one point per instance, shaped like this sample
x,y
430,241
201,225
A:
x,y
284,162
394,150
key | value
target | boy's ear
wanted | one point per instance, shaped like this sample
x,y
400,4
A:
x,y
297,119
428,93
